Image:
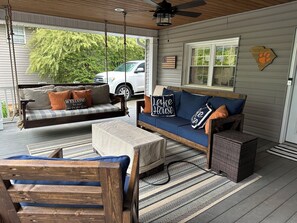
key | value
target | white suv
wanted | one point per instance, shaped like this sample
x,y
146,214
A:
x,y
135,78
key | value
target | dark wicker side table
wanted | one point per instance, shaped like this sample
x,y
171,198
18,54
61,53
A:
x,y
234,153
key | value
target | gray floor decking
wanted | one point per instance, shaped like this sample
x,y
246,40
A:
x,y
272,198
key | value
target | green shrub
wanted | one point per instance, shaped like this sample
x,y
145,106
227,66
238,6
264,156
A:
x,y
4,109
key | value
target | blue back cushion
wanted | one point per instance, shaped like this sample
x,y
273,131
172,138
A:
x,y
177,95
123,160
189,104
234,106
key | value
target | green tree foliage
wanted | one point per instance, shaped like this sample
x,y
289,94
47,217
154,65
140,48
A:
x,y
4,109
65,56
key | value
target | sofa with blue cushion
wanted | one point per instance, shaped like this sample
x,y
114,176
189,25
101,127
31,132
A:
x,y
54,189
187,102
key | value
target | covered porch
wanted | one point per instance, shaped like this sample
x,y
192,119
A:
x,y
270,198
268,25
271,98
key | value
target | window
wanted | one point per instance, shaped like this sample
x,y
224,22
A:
x,y
141,66
19,36
211,63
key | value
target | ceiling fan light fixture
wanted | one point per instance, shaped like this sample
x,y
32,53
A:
x,y
163,19
119,10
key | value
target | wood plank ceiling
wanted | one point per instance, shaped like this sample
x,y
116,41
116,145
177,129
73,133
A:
x,y
138,14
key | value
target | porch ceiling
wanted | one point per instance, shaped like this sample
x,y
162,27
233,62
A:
x,y
137,10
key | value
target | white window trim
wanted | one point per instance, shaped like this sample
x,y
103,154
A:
x,y
188,54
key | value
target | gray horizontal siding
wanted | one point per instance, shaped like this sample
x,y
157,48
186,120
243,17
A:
x,y
22,61
272,27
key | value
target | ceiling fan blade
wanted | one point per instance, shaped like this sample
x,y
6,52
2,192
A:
x,y
190,4
189,14
151,2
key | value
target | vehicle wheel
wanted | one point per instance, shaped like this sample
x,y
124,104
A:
x,y
124,90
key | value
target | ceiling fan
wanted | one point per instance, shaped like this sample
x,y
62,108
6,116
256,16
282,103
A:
x,y
165,11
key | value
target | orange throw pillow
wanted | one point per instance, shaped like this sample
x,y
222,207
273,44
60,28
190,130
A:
x,y
57,99
87,94
147,104
221,112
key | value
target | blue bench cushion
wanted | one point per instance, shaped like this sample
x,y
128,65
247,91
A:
x,y
234,106
189,104
194,135
177,95
147,118
171,124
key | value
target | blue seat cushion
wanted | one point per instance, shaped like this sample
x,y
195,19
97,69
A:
x,y
194,135
171,124
147,118
189,104
177,95
234,106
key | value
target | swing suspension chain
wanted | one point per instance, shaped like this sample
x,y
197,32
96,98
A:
x,y
13,66
125,57
125,51
106,53
125,60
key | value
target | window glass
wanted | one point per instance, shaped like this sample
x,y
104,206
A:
x,y
19,35
224,67
199,75
141,66
212,63
129,67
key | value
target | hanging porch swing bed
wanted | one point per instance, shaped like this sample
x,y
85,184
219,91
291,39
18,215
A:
x,y
41,104
52,104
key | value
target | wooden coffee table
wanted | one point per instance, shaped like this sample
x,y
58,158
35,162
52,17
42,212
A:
x,y
120,138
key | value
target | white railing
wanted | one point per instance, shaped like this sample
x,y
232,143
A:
x,y
7,104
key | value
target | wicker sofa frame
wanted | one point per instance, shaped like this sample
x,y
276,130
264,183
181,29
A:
x,y
69,119
234,122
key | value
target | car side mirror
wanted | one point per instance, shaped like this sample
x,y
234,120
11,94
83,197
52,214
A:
x,y
139,70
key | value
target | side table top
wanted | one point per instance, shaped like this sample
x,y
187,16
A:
x,y
235,136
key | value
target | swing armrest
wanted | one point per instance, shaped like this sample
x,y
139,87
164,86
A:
x,y
116,98
24,102
139,106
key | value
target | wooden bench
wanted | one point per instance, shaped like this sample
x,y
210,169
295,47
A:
x,y
234,122
115,207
